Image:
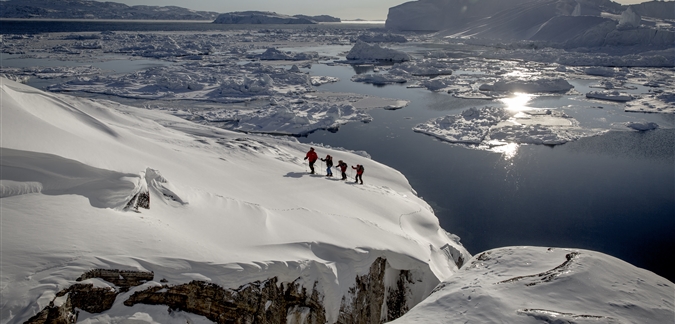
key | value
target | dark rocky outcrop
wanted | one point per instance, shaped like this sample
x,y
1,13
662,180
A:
x,y
140,199
89,298
258,302
121,278
370,300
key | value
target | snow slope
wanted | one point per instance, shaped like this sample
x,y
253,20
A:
x,y
540,285
224,208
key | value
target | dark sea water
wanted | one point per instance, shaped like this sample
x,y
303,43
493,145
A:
x,y
613,193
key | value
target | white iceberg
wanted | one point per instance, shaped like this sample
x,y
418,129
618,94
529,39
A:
x,y
529,86
494,126
610,95
362,51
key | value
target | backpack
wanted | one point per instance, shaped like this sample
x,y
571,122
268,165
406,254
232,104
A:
x,y
361,168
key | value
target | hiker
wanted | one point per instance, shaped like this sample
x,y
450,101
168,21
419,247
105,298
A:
x,y
343,169
329,165
311,155
359,173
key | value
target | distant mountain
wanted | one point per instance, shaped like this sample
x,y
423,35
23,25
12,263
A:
x,y
87,9
266,17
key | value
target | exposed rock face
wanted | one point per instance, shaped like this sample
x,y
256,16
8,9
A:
x,y
122,278
367,297
372,299
87,297
257,302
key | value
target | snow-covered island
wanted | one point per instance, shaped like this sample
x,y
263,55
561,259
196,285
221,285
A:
x,y
264,17
88,9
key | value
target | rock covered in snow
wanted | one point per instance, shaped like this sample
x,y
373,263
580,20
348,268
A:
x,y
363,51
642,126
547,285
259,17
86,9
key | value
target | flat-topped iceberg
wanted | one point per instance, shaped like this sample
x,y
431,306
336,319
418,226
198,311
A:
x,y
494,126
362,51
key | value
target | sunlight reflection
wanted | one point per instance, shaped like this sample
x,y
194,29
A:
x,y
508,151
518,101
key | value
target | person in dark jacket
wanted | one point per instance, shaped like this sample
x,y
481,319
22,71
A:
x,y
329,165
359,173
312,157
343,169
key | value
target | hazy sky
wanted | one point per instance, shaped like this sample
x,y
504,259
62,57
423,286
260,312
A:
x,y
344,9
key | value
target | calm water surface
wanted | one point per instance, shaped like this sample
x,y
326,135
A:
x,y
613,193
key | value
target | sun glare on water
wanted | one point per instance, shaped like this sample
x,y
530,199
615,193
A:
x,y
517,102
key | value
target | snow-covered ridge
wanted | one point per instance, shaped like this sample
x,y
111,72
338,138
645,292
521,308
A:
x,y
516,285
87,9
207,205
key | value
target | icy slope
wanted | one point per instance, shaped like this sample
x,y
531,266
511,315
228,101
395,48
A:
x,y
224,208
540,285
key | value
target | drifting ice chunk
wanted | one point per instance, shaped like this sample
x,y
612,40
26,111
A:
x,y
365,51
529,86
610,95
642,126
378,78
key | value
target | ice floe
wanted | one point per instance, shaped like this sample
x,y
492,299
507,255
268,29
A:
x,y
362,51
642,126
610,95
494,126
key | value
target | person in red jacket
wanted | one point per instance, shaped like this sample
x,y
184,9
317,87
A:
x,y
343,169
312,157
359,173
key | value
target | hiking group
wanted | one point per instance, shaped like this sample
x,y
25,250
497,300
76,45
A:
x,y
311,156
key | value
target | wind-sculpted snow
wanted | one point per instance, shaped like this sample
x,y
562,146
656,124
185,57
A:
x,y
219,207
514,285
495,126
